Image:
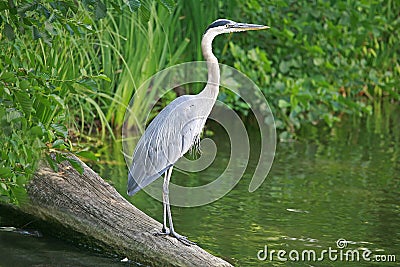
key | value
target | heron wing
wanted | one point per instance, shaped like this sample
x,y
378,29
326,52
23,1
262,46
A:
x,y
168,137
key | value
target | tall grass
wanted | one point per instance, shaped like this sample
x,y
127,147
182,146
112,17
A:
x,y
73,67
125,47
132,50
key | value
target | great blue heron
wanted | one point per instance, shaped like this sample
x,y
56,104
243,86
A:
x,y
178,126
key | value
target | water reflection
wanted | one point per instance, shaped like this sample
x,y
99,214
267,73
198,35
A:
x,y
341,183
331,184
19,250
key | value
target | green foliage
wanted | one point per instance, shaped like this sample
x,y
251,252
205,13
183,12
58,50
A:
x,y
68,69
40,19
133,50
321,59
30,118
38,86
52,81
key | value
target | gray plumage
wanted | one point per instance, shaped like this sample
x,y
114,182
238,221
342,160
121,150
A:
x,y
168,137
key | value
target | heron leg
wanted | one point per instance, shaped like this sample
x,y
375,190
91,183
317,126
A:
x,y
166,199
165,230
167,212
181,238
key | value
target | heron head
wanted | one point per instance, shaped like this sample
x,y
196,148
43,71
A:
x,y
226,26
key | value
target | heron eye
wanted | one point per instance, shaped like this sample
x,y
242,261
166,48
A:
x,y
226,25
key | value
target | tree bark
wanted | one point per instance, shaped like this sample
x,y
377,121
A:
x,y
90,206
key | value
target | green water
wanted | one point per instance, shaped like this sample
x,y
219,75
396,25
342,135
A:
x,y
341,183
332,184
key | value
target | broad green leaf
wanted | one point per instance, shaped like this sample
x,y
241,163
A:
x,y
60,129
89,84
169,4
35,33
47,38
27,7
36,131
52,163
50,28
284,66
100,11
70,28
58,100
102,76
76,165
8,77
133,5
13,114
25,101
318,61
9,32
289,33
4,186
253,55
87,154
283,103
24,84
144,13
5,172
60,157
59,143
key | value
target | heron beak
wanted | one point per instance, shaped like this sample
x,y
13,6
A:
x,y
249,27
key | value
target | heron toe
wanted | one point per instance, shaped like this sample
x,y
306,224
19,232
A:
x,y
183,239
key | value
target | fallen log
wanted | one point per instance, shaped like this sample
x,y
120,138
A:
x,y
90,206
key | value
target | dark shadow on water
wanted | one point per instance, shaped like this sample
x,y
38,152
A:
x,y
27,241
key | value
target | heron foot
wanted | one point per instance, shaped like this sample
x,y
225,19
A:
x,y
164,231
183,239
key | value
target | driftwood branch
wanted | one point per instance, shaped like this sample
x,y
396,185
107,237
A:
x,y
88,205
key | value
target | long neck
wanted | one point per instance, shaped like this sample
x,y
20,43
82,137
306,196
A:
x,y
212,88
